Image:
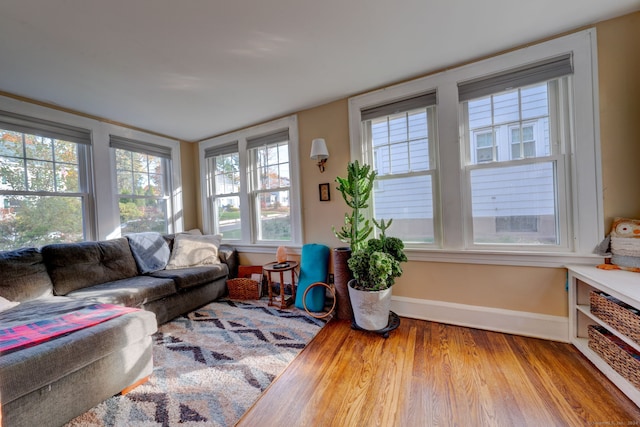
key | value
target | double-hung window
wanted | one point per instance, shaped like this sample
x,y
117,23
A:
x,y
45,182
399,143
143,176
223,189
252,190
500,166
516,177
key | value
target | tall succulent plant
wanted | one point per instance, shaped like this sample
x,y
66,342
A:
x,y
356,191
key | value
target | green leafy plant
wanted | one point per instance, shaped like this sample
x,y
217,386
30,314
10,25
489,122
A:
x,y
356,190
377,264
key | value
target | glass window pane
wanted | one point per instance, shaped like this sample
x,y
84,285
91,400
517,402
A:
x,y
379,132
32,221
229,223
503,194
40,176
418,124
506,108
274,217
156,185
529,149
227,173
409,201
283,172
13,174
67,178
283,153
140,162
38,147
419,155
124,160
11,143
515,135
125,183
138,215
141,183
66,152
480,113
398,128
535,101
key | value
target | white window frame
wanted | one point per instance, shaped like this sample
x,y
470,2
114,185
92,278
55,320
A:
x,y
167,178
430,171
105,223
85,175
249,241
584,170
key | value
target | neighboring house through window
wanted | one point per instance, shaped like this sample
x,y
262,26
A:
x,y
46,182
400,141
501,160
252,188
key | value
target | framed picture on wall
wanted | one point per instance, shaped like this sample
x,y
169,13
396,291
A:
x,y
325,196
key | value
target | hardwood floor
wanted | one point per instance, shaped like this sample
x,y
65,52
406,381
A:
x,y
431,374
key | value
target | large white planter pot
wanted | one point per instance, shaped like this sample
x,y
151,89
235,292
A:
x,y
370,308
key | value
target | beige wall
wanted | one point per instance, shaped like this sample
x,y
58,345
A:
x,y
536,290
619,69
190,187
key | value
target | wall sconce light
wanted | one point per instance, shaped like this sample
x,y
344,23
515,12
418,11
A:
x,y
319,152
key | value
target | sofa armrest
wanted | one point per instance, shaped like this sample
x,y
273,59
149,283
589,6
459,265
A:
x,y
229,255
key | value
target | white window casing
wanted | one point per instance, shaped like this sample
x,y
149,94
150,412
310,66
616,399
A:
x,y
247,141
583,214
103,221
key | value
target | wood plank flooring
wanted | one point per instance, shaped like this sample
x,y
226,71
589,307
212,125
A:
x,y
432,374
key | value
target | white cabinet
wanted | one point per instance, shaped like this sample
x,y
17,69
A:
x,y
623,285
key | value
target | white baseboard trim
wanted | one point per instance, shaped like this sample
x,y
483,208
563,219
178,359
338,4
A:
x,y
555,328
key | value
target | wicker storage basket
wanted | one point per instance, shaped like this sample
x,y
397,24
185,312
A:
x,y
243,288
622,317
619,355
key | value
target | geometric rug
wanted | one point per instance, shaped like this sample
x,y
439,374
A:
x,y
210,366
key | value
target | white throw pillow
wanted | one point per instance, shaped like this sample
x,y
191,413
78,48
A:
x,y
5,304
192,250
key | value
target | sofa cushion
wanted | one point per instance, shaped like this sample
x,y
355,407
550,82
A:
x,y
131,292
229,255
5,304
150,250
24,275
75,266
194,276
32,368
191,250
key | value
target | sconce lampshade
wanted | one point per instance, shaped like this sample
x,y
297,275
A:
x,y
319,149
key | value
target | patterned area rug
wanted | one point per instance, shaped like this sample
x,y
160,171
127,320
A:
x,y
210,366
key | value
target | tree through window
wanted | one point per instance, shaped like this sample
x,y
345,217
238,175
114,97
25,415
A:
x,y
45,182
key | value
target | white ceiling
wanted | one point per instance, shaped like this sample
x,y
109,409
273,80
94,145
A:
x,y
192,69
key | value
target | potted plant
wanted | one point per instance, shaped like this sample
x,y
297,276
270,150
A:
x,y
356,190
375,267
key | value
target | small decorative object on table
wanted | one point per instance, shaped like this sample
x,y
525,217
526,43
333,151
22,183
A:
x,y
281,254
281,300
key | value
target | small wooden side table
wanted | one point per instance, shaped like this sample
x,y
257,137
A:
x,y
282,299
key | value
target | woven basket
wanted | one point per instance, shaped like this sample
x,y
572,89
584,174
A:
x,y
617,354
243,288
622,317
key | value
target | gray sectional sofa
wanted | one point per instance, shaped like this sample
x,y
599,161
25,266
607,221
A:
x,y
49,383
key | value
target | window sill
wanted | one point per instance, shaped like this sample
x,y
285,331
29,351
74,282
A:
x,y
524,259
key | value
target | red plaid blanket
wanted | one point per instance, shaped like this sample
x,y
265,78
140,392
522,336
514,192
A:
x,y
30,334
